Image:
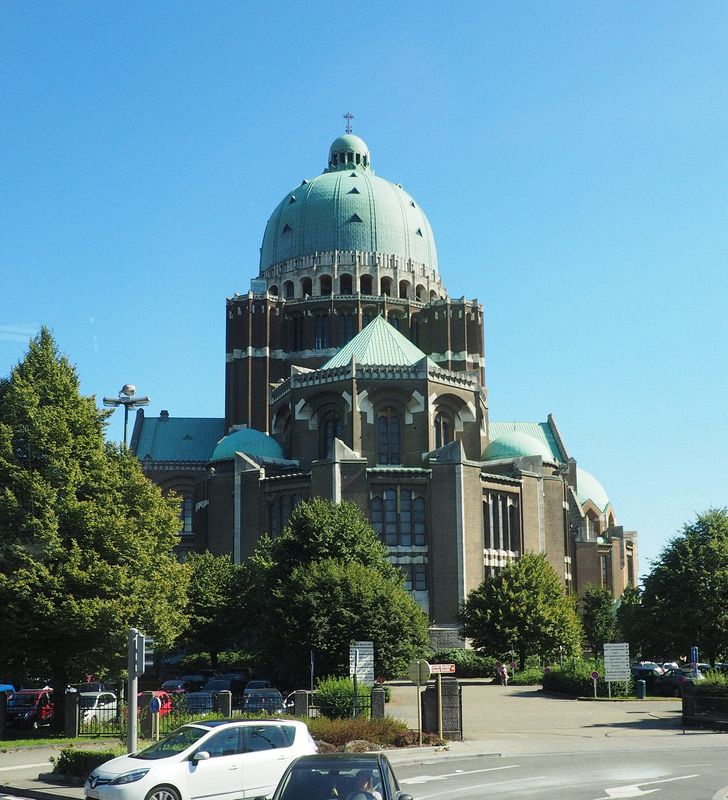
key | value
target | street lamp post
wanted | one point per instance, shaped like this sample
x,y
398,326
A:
x,y
127,398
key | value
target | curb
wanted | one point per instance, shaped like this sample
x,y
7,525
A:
x,y
38,794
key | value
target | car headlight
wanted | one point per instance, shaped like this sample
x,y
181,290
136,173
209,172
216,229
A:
x,y
129,777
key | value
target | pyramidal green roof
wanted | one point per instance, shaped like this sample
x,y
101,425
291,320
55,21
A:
x,y
379,344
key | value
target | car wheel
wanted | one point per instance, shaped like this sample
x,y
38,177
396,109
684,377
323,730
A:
x,y
162,793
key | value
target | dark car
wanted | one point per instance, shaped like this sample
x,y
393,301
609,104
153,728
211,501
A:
x,y
647,671
30,708
350,776
268,701
174,686
671,683
193,683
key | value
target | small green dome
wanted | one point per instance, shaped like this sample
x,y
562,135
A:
x,y
344,151
589,488
516,444
249,441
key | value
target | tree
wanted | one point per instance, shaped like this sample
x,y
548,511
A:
x,y
322,584
630,619
85,538
212,600
523,608
598,618
685,595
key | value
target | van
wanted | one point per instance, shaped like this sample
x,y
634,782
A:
x,y
30,708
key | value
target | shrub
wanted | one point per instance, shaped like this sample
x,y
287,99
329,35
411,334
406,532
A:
x,y
335,696
574,678
715,683
531,676
74,763
468,663
387,732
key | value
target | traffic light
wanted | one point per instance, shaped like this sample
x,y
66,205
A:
x,y
144,653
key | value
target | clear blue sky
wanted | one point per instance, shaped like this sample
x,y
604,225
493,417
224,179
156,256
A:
x,y
571,157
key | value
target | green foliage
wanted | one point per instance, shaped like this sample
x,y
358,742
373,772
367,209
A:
x,y
715,684
468,663
212,601
531,676
335,696
631,620
85,538
524,609
322,584
598,618
574,678
73,763
685,595
387,732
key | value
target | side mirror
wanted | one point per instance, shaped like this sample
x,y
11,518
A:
x,y
405,797
200,755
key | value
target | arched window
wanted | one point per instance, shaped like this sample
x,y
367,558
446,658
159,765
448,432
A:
x,y
345,284
404,289
306,286
288,290
325,284
443,430
273,290
185,515
344,329
421,293
386,286
388,437
329,429
365,284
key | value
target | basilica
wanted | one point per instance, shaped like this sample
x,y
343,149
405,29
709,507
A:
x,y
351,374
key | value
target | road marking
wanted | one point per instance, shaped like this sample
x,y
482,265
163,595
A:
x,y
633,790
457,774
26,766
472,787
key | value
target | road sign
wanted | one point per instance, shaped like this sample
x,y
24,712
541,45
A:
x,y
361,662
616,661
155,705
442,669
419,671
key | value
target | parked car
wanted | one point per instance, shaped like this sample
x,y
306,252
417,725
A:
x,y
7,689
647,671
30,708
690,667
91,686
672,682
193,683
97,707
165,701
258,683
217,760
269,701
360,776
174,686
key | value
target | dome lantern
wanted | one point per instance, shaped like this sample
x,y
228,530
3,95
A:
x,y
348,152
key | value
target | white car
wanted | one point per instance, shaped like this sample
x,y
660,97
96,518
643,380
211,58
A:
x,y
97,706
215,760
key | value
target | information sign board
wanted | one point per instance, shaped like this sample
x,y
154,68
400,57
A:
x,y
616,661
442,669
361,662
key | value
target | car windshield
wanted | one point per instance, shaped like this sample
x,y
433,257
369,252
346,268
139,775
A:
x,y
87,701
173,744
22,700
339,778
218,685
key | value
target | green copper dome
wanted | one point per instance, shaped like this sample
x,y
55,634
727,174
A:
x,y
348,208
249,441
589,488
516,444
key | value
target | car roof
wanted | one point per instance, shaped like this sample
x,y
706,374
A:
x,y
323,760
96,694
216,723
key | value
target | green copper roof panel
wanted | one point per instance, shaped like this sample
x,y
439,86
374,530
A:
x,y
539,431
179,438
379,344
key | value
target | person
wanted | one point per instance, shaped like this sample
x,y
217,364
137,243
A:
x,y
364,789
502,674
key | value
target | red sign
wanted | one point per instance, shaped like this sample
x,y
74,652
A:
x,y
442,669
